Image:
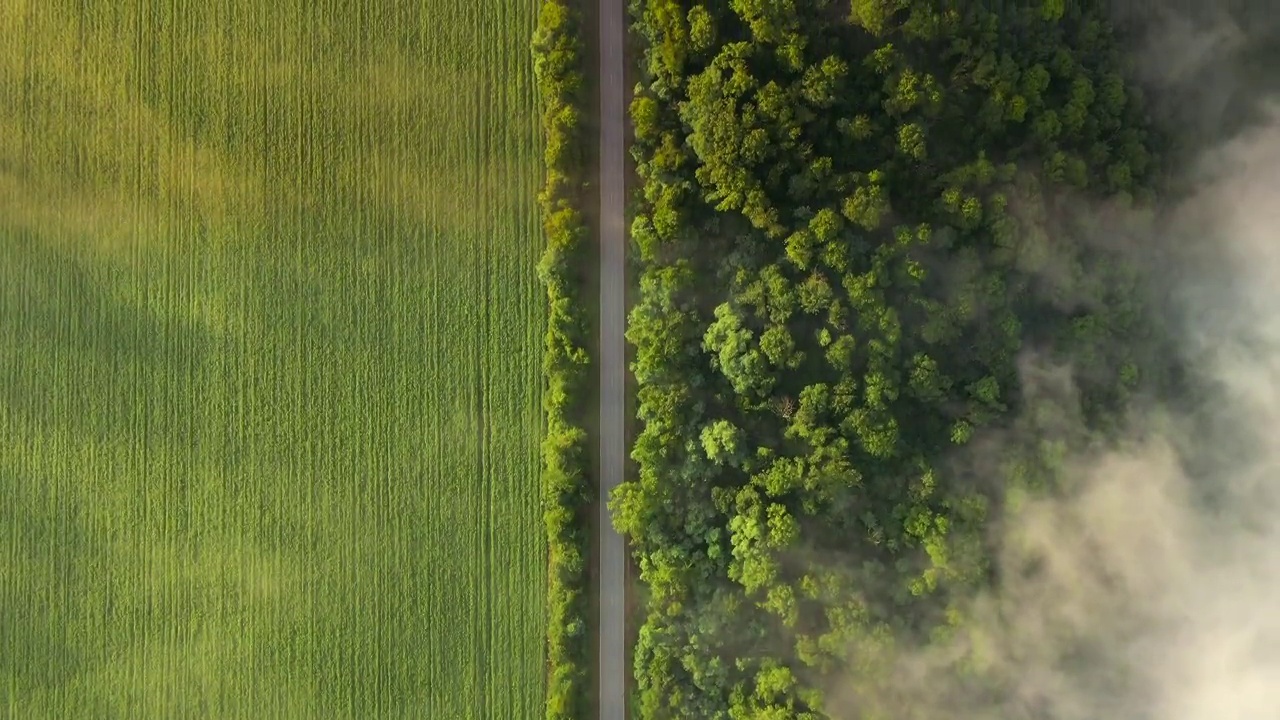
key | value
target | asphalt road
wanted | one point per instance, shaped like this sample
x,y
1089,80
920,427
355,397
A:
x,y
612,649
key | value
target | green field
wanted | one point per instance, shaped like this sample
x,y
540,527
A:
x,y
270,345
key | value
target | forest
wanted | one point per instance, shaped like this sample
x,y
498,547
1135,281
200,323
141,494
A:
x,y
854,231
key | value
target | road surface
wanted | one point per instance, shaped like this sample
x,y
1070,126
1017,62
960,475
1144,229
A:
x,y
612,651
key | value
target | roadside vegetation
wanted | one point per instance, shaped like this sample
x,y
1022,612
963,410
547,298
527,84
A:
x,y
855,226
566,482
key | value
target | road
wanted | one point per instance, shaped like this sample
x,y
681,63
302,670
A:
x,y
611,670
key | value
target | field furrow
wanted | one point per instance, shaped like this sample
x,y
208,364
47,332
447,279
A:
x,y
270,368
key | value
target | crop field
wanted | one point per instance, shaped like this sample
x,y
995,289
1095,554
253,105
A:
x,y
270,346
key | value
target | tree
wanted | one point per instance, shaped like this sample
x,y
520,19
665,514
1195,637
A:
x,y
847,235
724,443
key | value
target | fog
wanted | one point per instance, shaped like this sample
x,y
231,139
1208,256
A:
x,y
1149,586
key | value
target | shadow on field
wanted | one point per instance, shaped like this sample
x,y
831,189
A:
x,y
70,346
40,527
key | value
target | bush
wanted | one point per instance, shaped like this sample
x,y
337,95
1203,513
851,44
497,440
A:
x,y
558,58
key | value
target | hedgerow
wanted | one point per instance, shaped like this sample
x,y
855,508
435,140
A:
x,y
566,482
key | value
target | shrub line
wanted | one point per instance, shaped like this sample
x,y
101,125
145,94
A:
x,y
558,65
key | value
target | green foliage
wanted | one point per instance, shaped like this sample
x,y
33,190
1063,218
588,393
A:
x,y
558,63
849,235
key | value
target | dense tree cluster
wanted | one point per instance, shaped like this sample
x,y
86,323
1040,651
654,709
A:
x,y
558,58
854,223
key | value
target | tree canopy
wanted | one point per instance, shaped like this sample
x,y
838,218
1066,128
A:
x,y
853,224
